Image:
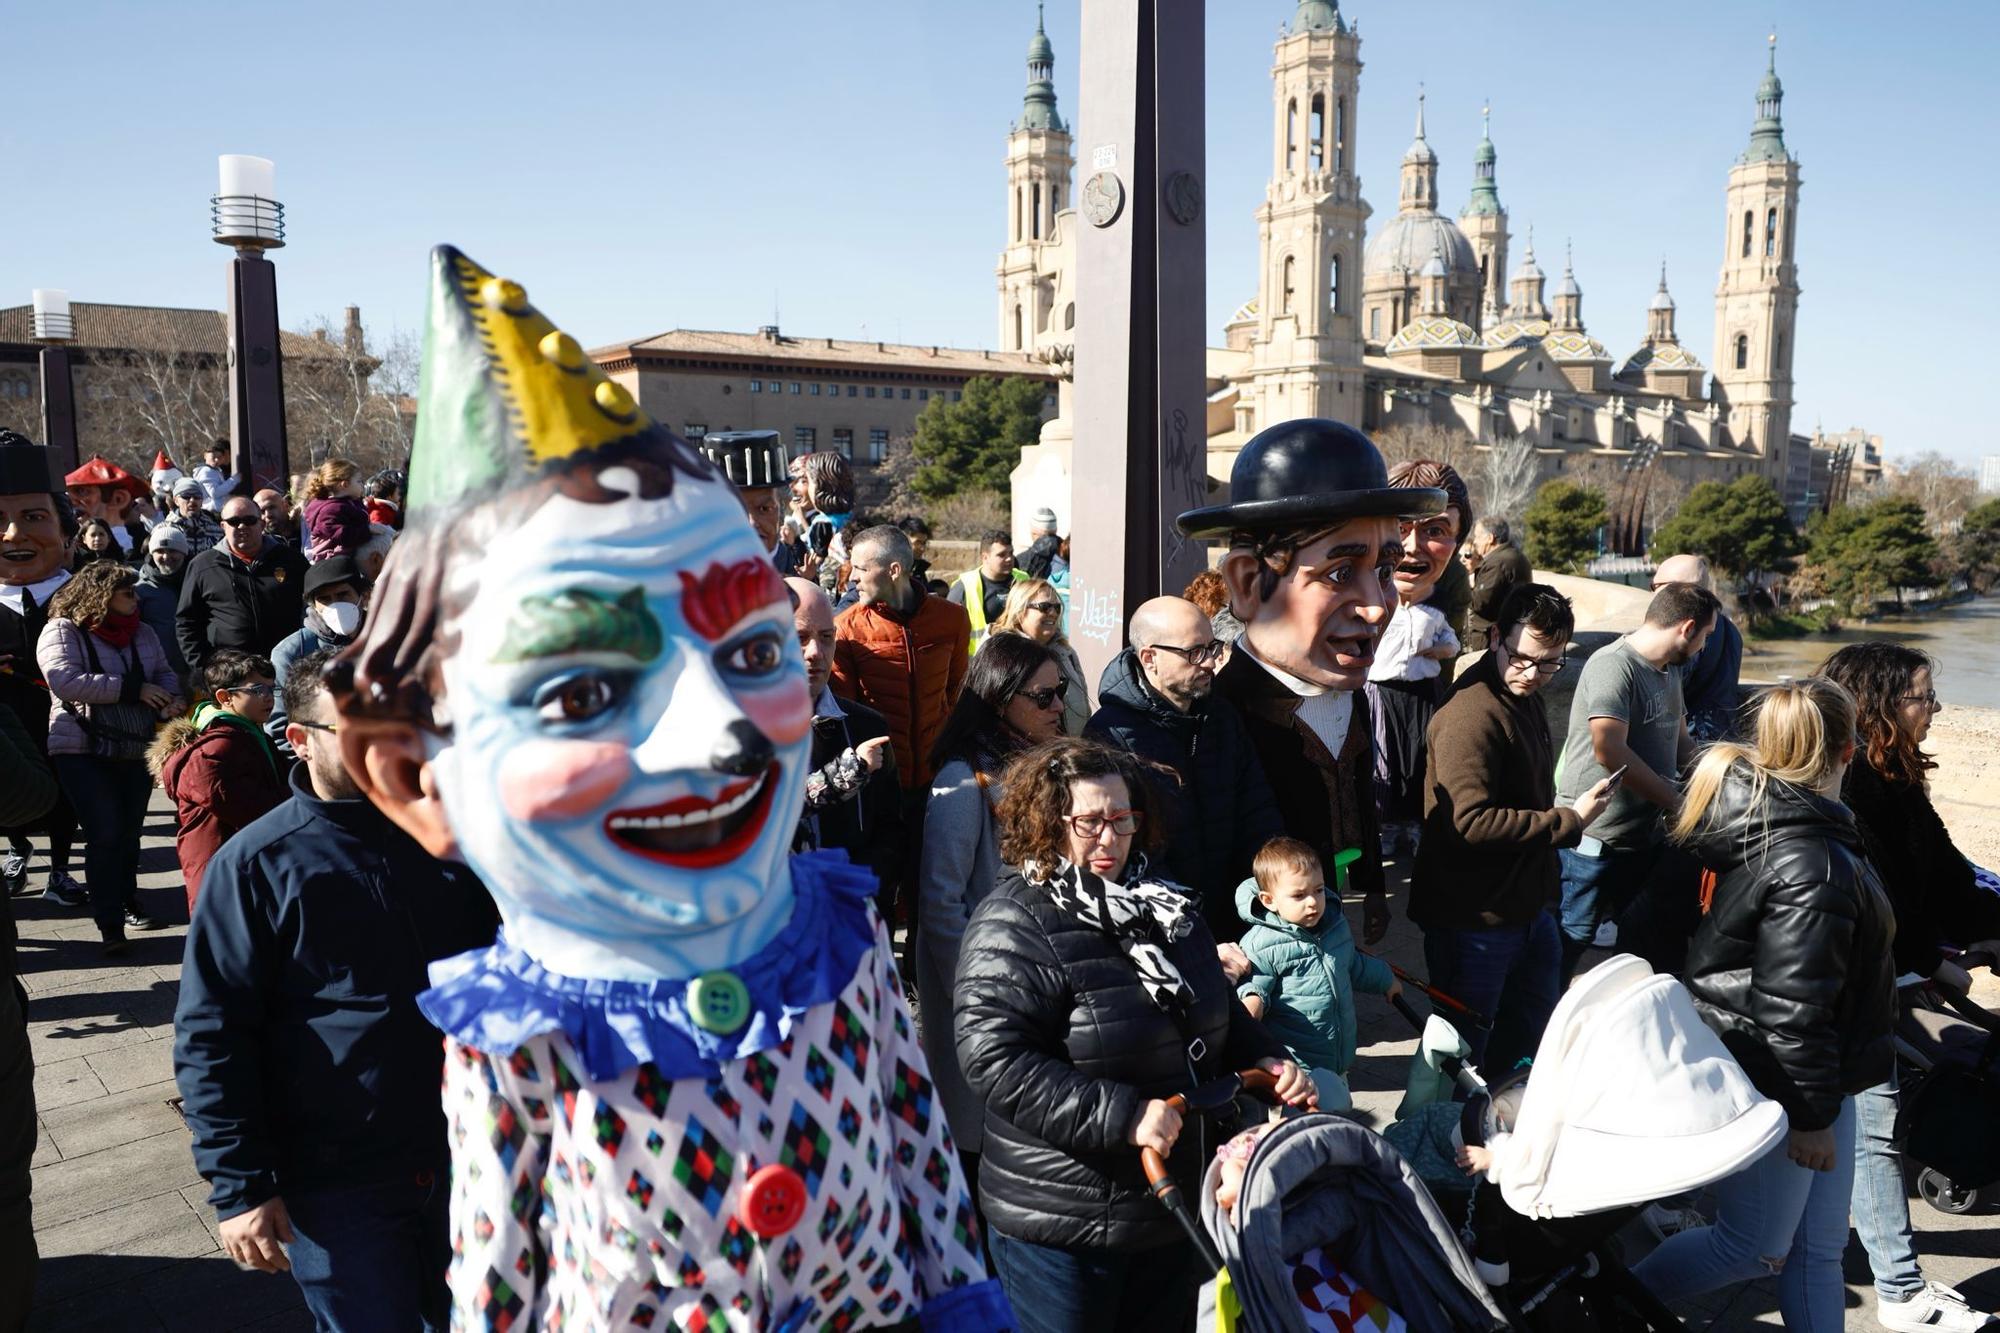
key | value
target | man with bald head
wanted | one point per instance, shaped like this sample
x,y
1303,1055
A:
x,y
868,827
1709,683
1156,700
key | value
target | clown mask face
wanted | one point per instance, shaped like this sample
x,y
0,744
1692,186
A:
x,y
631,725
31,538
1429,544
1321,622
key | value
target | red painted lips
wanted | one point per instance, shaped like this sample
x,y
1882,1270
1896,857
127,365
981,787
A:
x,y
694,833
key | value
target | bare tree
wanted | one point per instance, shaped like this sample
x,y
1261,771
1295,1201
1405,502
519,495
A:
x,y
1427,440
176,401
1507,475
330,408
1946,489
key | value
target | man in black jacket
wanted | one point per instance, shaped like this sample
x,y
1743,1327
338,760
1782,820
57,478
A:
x,y
869,826
1498,567
1154,700
307,1075
245,594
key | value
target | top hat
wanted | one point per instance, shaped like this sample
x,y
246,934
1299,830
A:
x,y
1308,472
751,459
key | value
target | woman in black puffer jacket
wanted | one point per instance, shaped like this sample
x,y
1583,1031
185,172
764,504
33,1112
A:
x,y
1083,1002
1791,966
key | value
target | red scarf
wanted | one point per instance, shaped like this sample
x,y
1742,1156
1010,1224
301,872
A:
x,y
117,630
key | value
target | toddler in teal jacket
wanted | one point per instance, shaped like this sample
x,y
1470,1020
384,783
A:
x,y
1304,968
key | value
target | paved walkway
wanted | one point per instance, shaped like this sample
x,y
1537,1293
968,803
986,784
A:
x,y
128,1243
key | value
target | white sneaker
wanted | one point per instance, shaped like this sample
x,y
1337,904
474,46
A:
x,y
1606,937
1663,1221
1935,1309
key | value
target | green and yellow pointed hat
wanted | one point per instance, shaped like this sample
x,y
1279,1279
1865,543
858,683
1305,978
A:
x,y
509,400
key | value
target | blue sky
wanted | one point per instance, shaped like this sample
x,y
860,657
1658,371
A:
x,y
840,161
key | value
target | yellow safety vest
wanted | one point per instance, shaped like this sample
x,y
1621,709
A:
x,y
974,588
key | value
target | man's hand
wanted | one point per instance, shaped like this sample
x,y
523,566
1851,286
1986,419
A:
x,y
256,1239
1594,802
1374,918
870,752
807,568
1235,963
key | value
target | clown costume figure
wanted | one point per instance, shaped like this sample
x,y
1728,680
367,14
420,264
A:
x,y
683,1087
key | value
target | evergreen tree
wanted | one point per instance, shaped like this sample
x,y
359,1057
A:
x,y
1861,554
1740,529
1563,522
976,442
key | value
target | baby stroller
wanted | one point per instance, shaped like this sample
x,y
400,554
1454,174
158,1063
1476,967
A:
x,y
1950,1092
1321,1183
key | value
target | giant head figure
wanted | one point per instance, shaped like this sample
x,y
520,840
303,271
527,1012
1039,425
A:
x,y
579,672
1314,541
37,522
101,489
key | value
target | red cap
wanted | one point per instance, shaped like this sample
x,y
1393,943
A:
x,y
97,472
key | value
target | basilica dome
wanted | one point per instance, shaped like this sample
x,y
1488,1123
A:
x,y
1407,240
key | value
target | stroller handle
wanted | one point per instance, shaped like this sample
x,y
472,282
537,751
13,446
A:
x,y
1205,1100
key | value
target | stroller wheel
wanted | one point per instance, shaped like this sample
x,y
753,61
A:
x,y
1937,1190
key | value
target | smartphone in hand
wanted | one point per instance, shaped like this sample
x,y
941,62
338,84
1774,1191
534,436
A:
x,y
1616,778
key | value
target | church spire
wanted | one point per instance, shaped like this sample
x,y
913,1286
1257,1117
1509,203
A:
x,y
1420,168
1485,184
1767,134
1569,297
1038,107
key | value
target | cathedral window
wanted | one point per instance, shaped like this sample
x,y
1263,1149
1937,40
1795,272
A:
x,y
1340,134
1069,315
1318,129
1771,234
1017,212
1375,323
1286,308
1779,364
1742,351
1292,135
1333,285
1018,343
1038,210
1749,230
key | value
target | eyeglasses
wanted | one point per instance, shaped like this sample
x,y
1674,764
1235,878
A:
x,y
1928,697
243,521
258,691
1202,655
1122,822
1046,608
1044,699
312,726
1542,666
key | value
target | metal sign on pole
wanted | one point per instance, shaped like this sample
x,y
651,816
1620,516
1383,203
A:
x,y
1141,448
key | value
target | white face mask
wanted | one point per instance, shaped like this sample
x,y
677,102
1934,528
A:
x,y
339,619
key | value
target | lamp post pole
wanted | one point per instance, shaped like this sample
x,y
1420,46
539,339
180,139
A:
x,y
55,329
249,219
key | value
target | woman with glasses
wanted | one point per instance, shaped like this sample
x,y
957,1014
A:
x,y
1012,699
219,767
1937,904
1087,994
111,685
1035,611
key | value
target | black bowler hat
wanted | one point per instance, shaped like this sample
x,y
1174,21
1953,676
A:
x,y
26,468
749,459
1305,472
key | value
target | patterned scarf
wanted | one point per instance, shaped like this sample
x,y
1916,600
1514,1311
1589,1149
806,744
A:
x,y
1134,914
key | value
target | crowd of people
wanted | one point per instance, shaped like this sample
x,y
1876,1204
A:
x,y
1107,891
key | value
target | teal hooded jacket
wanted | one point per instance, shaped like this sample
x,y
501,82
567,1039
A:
x,y
1307,980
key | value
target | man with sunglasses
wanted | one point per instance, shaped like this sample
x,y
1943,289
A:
x,y
245,593
1156,701
1487,864
218,767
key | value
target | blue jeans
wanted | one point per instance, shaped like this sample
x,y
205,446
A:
x,y
1596,889
1881,1198
109,796
373,1257
1085,1289
1511,974
1773,1209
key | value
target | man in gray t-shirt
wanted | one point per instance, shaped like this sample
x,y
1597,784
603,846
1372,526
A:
x,y
1628,714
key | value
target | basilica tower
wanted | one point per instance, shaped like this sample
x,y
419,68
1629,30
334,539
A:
x,y
1756,303
1305,353
1039,160
1484,222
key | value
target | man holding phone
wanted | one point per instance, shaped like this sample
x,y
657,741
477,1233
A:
x,y
1628,716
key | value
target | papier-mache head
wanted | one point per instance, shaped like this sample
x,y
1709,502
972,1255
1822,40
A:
x,y
579,671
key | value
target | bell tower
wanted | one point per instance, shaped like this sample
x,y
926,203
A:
x,y
1757,300
1039,160
1305,353
1484,222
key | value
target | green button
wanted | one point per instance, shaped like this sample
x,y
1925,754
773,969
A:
x,y
719,1001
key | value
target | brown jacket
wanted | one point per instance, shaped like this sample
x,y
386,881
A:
x,y
1325,801
908,668
1490,838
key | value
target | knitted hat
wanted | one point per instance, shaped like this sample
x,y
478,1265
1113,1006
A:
x,y
188,486
168,537
1045,519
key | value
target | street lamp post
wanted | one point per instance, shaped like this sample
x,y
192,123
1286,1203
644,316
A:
x,y
249,219
55,329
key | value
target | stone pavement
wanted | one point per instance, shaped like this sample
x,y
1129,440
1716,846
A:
x,y
128,1243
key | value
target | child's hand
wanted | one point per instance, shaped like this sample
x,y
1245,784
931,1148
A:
x,y
1395,990
1295,1087
870,752
1475,1161
1235,963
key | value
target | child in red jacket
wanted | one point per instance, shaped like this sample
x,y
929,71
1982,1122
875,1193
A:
x,y
218,766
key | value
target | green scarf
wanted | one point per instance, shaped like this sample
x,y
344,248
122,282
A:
x,y
210,713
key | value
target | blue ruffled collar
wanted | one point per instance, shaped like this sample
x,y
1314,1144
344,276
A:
x,y
497,998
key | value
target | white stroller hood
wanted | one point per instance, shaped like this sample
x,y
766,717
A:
x,y
1632,1098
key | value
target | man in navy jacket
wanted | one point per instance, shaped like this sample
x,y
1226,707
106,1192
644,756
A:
x,y
307,1075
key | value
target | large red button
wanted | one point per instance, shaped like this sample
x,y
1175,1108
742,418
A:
x,y
774,1199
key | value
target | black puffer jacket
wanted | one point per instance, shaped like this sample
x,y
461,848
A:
x,y
1929,882
1218,808
1792,963
1057,1037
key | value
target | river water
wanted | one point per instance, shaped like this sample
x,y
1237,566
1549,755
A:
x,y
1965,640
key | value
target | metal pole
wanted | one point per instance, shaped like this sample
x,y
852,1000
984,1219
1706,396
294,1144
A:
x,y
1140,410
59,409
257,453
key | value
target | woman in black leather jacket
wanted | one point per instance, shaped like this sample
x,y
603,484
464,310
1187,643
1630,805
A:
x,y
1086,995
1791,967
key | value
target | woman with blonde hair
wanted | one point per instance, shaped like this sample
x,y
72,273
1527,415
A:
x,y
1791,967
1035,611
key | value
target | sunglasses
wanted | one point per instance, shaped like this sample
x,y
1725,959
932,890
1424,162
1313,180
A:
x,y
1211,651
1046,608
1044,699
1122,822
313,726
243,521
258,691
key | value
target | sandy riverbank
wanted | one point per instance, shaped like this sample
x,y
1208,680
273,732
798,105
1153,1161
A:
x,y
1966,786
